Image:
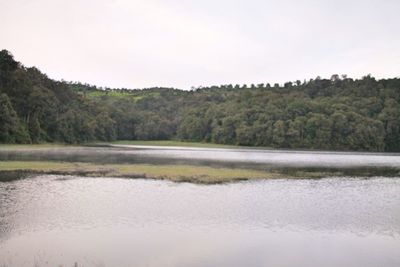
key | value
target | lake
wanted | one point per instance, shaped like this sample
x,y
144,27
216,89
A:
x,y
55,220
60,220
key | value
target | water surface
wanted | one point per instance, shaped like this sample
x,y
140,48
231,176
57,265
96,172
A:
x,y
60,220
253,158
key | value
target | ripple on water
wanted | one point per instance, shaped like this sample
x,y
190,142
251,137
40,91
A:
x,y
329,222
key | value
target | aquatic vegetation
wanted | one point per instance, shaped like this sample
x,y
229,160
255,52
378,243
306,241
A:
x,y
178,173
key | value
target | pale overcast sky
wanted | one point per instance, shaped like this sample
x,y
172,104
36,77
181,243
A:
x,y
178,43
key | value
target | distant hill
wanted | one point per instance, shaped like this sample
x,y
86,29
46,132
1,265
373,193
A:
x,y
339,113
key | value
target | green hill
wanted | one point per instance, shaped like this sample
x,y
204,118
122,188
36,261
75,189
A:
x,y
339,113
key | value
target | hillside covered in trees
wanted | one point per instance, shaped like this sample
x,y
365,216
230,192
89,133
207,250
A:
x,y
339,113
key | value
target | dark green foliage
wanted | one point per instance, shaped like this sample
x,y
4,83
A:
x,y
337,113
38,109
9,122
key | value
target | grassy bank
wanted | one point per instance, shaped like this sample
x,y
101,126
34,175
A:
x,y
172,143
177,173
31,146
167,143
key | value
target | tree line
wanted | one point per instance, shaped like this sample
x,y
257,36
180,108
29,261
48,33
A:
x,y
339,113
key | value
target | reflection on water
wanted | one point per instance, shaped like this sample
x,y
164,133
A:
x,y
148,154
350,163
53,220
271,157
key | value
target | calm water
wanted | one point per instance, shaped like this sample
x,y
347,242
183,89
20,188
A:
x,y
207,156
60,220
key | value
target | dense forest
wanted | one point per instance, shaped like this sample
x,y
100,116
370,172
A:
x,y
339,113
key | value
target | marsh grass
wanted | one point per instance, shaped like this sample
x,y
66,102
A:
x,y
11,170
177,173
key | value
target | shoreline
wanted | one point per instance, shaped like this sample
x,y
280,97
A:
x,y
173,144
